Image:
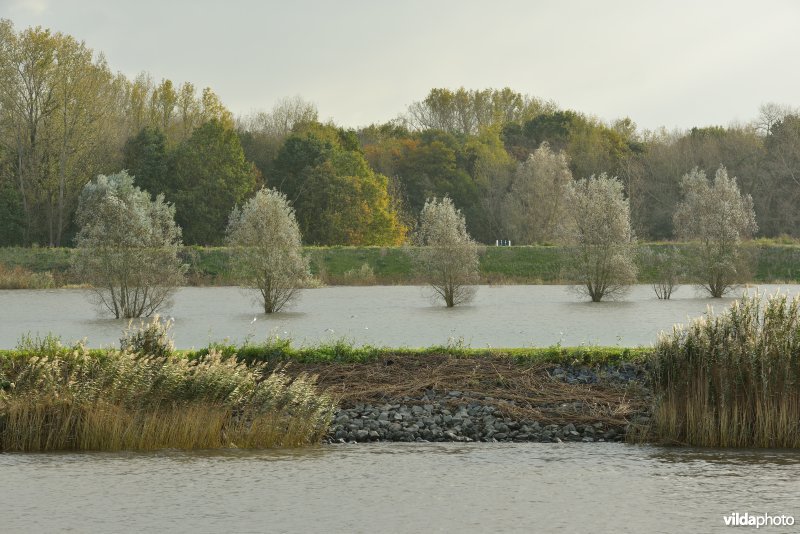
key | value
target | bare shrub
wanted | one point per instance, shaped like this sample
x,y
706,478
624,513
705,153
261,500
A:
x,y
666,267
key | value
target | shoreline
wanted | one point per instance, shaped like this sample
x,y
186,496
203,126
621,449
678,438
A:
x,y
481,399
20,267
437,394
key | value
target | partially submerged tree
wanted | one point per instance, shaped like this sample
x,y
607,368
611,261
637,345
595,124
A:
x,y
127,246
603,243
665,268
715,217
535,207
446,255
267,248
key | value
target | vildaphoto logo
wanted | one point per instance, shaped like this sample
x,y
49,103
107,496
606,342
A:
x,y
757,520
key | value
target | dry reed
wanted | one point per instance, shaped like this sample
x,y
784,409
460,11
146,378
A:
x,y
731,380
20,278
73,400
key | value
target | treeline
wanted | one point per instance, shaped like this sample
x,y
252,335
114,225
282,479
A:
x,y
504,158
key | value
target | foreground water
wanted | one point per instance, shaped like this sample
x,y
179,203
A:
x,y
397,316
443,487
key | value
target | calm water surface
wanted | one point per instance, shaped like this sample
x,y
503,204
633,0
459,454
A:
x,y
444,487
500,316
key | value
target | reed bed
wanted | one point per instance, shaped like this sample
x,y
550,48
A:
x,y
71,399
731,380
20,278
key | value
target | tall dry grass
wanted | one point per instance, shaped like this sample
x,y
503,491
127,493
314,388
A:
x,y
20,278
731,380
71,399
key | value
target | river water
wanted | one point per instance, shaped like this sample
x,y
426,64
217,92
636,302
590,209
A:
x,y
442,487
395,316
390,487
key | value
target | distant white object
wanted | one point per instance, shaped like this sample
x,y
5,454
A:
x,y
254,320
502,242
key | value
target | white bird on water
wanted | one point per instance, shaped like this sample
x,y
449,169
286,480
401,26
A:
x,y
254,320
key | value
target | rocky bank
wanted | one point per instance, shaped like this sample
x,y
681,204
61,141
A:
x,y
468,416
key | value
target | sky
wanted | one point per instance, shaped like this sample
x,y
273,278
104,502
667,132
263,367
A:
x,y
675,64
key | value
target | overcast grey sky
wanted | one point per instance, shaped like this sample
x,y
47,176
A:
x,y
666,63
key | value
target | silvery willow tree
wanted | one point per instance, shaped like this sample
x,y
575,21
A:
x,y
267,250
715,217
127,246
602,251
535,206
445,254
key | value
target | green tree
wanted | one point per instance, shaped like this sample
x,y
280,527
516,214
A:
x,y
145,157
176,110
468,112
209,177
777,194
267,248
262,134
338,198
57,109
474,171
127,246
12,218
654,175
435,164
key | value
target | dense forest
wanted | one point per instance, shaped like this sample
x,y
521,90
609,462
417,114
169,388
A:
x,y
501,156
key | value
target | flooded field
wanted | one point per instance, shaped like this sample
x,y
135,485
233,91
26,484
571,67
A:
x,y
395,316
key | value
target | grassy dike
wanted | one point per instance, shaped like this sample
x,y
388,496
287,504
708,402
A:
x,y
771,262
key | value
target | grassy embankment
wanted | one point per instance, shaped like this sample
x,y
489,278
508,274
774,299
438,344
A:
x,y
772,262
56,398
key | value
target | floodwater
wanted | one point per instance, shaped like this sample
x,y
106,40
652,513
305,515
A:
x,y
393,316
441,487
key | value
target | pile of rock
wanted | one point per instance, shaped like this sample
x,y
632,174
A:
x,y
471,416
622,373
441,419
